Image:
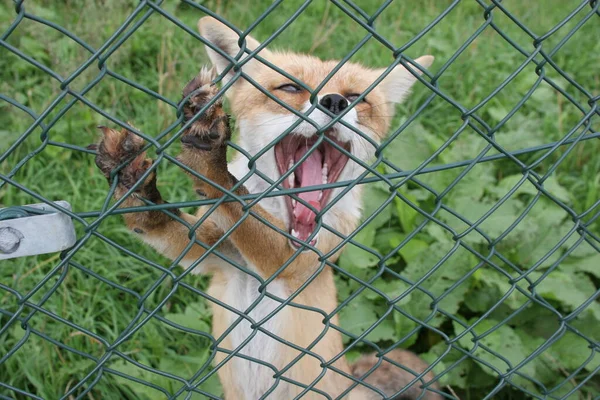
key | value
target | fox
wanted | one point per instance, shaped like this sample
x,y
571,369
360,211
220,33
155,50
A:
x,y
271,346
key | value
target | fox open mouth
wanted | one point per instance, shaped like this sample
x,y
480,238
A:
x,y
322,166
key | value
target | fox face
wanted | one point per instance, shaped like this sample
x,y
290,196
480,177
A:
x,y
315,152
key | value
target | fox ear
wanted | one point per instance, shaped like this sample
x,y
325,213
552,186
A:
x,y
227,40
397,84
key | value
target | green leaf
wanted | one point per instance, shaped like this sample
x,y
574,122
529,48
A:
x,y
536,235
495,286
557,190
411,250
357,316
392,289
509,182
584,250
571,351
361,314
375,196
354,256
406,214
383,331
587,323
438,233
344,289
385,239
503,350
523,131
403,326
410,148
140,390
446,275
501,219
545,370
536,321
465,375
591,265
193,317
568,289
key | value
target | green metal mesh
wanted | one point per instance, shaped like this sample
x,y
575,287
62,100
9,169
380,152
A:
x,y
392,177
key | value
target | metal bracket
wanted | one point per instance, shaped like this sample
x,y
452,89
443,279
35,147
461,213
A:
x,y
48,232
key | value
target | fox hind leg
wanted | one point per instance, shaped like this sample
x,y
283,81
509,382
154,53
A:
x,y
390,378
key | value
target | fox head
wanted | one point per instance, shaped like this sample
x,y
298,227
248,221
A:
x,y
341,154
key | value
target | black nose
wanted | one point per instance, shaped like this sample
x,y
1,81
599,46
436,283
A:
x,y
334,103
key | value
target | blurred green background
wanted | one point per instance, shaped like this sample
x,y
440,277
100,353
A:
x,y
163,57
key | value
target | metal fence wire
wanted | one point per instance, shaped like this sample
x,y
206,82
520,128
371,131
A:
x,y
459,339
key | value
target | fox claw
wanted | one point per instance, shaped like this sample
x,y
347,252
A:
x,y
200,91
211,130
196,141
117,148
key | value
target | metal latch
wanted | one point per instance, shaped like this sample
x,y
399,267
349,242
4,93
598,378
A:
x,y
35,229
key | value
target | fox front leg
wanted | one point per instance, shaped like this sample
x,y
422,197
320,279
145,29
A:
x,y
205,141
169,236
204,151
120,147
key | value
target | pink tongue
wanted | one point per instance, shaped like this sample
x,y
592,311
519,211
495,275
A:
x,y
309,173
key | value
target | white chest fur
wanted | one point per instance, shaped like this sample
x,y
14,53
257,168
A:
x,y
250,374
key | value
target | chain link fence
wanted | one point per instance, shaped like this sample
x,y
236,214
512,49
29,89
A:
x,y
447,278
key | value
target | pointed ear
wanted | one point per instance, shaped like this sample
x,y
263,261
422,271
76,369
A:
x,y
226,39
397,84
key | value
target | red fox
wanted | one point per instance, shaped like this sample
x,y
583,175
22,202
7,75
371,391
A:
x,y
301,356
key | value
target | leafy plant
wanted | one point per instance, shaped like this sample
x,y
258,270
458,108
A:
x,y
467,289
516,305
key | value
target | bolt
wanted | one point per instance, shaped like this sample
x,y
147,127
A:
x,y
10,239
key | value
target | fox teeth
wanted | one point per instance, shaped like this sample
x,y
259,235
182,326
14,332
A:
x,y
290,164
320,196
294,233
294,202
291,179
324,173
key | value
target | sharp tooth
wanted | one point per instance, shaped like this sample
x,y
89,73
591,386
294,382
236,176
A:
x,y
294,233
324,173
294,202
320,196
291,179
290,164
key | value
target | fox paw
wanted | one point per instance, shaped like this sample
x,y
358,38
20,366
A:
x,y
211,129
123,147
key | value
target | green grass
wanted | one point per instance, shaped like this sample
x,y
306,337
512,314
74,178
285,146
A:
x,y
162,57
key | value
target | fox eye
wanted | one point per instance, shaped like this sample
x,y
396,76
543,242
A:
x,y
353,96
290,88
